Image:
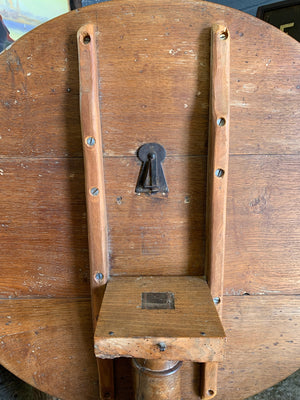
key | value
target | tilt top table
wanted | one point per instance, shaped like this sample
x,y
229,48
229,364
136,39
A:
x,y
198,230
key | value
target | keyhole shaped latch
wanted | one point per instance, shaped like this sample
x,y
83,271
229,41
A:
x,y
151,178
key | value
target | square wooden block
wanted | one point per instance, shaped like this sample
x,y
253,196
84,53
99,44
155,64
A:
x,y
159,317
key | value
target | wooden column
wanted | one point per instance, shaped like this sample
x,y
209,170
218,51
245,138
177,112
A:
x,y
157,379
94,185
218,157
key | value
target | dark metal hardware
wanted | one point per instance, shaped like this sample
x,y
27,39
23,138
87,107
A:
x,y
158,301
151,178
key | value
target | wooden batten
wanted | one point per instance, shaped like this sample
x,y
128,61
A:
x,y
93,158
218,156
217,176
94,184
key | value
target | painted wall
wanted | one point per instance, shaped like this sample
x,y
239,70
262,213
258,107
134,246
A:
x,y
21,16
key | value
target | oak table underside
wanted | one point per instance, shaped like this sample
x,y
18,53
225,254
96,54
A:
x,y
153,87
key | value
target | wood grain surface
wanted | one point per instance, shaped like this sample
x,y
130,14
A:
x,y
154,86
50,340
49,344
217,161
263,71
190,330
94,184
49,224
256,339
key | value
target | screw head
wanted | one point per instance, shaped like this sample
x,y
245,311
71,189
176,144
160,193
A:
x,y
91,141
223,35
94,191
221,121
217,300
162,346
151,156
98,276
219,172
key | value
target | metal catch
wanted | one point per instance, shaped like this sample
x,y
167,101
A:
x,y
151,178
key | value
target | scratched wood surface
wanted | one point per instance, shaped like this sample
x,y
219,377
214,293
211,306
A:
x,y
48,343
126,328
49,224
154,78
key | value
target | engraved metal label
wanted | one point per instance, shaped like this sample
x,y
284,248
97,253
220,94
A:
x,y
158,301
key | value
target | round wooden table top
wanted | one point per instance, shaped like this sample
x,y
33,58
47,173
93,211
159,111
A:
x,y
154,87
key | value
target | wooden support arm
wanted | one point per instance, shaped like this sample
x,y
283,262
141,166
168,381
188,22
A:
x,y
217,170
94,185
218,157
93,159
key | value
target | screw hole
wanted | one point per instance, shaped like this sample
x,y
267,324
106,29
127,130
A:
x,y
90,141
219,173
224,35
210,392
221,121
86,38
